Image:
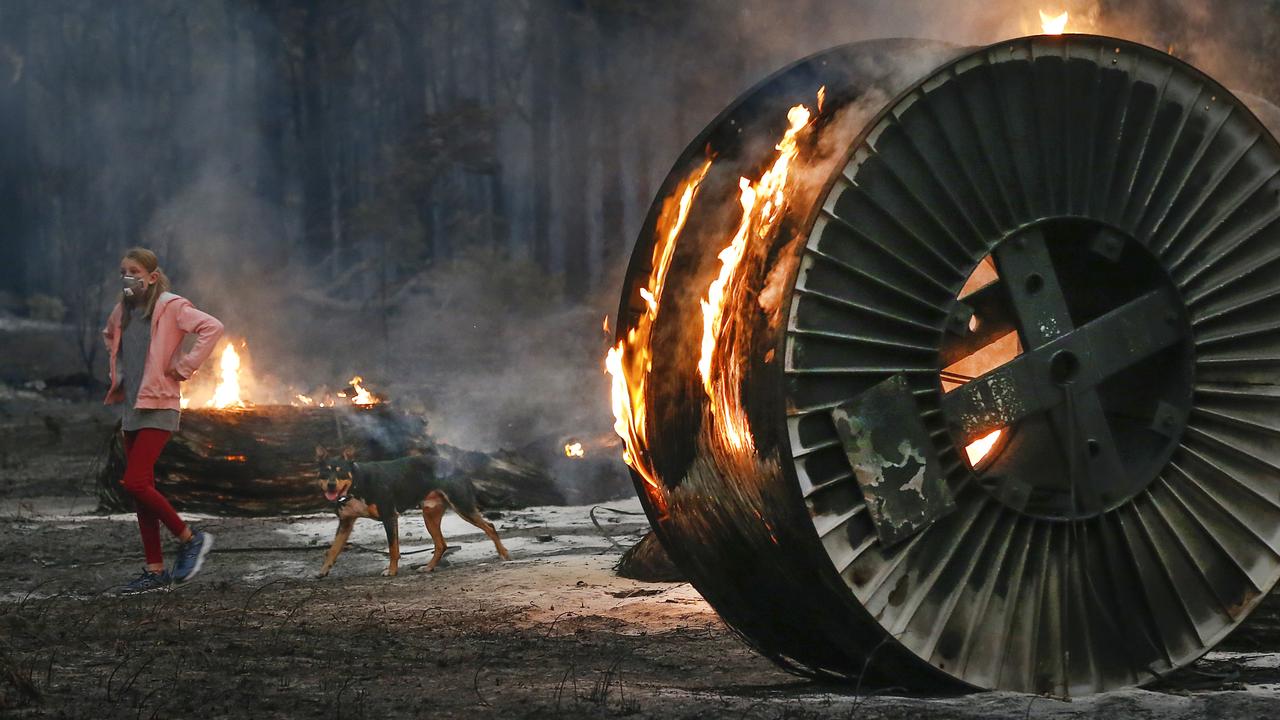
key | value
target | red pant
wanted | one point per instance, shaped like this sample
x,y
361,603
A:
x,y
142,449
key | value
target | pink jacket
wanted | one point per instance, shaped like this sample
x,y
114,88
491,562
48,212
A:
x,y
173,318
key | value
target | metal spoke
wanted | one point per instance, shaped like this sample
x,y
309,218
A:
x,y
1025,385
1027,269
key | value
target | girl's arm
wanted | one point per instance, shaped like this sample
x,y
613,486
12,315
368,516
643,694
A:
x,y
108,332
207,328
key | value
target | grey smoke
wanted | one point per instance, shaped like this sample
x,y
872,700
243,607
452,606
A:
x,y
483,342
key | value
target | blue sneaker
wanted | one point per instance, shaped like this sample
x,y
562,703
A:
x,y
191,556
148,582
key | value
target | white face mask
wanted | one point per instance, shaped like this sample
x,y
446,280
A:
x,y
133,286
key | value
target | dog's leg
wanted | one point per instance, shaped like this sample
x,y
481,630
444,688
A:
x,y
432,512
475,518
339,542
391,523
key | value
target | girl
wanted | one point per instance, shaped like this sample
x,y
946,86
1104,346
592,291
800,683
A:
x,y
144,337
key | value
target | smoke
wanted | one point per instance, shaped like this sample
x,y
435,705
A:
x,y
498,358
484,342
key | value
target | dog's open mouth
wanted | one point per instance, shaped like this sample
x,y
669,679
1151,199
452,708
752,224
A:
x,y
331,495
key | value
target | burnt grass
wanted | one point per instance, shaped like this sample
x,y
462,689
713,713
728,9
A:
x,y
467,639
553,634
438,646
295,649
354,645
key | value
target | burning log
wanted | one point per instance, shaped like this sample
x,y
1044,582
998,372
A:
x,y
260,460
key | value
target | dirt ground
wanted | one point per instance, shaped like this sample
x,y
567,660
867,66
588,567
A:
x,y
552,633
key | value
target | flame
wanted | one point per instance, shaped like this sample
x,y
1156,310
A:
x,y
605,325
574,450
762,204
629,362
1053,24
183,400
233,385
979,448
227,392
362,396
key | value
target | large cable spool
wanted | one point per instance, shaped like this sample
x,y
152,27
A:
x,y
1070,240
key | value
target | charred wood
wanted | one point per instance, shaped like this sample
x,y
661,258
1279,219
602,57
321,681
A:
x,y
261,460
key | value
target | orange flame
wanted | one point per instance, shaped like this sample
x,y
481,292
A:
x,y
574,450
362,396
979,448
227,392
1053,24
233,386
762,204
629,362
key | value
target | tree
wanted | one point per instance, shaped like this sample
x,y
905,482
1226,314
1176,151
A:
x,y
14,151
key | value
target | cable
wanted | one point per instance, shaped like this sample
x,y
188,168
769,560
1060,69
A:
x,y
592,514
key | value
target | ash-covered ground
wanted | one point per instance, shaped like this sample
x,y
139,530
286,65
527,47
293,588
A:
x,y
553,633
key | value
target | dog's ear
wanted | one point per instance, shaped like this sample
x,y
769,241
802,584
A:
x,y
349,452
322,452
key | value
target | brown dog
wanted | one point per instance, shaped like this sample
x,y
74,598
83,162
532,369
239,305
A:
x,y
382,490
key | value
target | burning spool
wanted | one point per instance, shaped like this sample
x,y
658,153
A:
x,y
990,394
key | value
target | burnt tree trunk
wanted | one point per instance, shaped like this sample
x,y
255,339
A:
x,y
610,145
15,174
261,461
572,164
541,101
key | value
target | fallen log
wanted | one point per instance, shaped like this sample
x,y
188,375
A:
x,y
589,468
261,460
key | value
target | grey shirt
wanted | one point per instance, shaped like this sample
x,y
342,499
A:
x,y
135,341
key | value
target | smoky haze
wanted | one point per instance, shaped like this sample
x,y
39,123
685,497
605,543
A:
x,y
438,195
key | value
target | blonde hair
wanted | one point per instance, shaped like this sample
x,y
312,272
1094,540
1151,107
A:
x,y
149,262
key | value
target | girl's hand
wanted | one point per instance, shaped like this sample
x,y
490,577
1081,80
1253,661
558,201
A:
x,y
172,374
